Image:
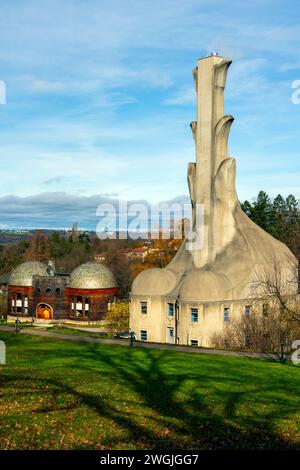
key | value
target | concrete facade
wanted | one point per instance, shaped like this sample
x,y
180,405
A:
x,y
211,279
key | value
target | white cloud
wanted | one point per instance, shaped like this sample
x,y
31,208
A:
x,y
61,209
100,94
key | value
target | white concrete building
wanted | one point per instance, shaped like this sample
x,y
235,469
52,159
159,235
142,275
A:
x,y
207,284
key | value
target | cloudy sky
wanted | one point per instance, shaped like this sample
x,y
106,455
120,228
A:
x,y
100,96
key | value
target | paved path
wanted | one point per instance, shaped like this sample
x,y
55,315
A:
x,y
89,329
139,344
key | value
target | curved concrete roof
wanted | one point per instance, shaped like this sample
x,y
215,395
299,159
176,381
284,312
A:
x,y
92,276
22,275
154,281
202,285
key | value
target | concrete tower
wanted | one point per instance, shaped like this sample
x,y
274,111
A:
x,y
202,281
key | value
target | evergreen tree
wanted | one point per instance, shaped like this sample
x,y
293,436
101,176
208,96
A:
x,y
280,215
280,218
262,212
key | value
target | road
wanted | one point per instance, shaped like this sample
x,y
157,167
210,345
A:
x,y
139,344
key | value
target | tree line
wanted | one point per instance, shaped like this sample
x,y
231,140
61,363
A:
x,y
279,216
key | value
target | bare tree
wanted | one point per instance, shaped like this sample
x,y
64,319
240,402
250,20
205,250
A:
x,y
279,290
274,321
261,332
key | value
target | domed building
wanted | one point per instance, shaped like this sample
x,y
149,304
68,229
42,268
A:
x,y
92,287
35,290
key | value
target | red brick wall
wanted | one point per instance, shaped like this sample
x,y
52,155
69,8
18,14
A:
x,y
12,294
98,301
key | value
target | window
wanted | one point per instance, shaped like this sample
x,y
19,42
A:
x,y
57,290
194,342
226,313
194,315
144,307
73,301
265,310
170,310
170,335
143,335
19,302
78,306
48,290
247,311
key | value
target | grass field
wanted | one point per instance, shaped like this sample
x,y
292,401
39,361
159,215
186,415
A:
x,y
63,395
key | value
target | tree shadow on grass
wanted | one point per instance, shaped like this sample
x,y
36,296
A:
x,y
173,404
195,419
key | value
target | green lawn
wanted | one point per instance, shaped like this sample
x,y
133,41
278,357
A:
x,y
64,395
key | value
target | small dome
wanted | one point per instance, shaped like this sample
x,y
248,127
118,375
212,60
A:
x,y
154,281
204,286
92,276
22,275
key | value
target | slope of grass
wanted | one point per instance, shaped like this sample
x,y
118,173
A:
x,y
66,395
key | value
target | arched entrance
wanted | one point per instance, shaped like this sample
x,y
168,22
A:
x,y
44,312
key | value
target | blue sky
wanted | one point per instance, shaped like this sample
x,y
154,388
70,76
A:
x,y
100,96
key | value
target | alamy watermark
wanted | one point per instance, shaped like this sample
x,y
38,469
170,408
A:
x,y
164,220
295,357
2,92
296,93
2,352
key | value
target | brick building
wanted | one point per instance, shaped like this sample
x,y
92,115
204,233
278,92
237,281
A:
x,y
35,290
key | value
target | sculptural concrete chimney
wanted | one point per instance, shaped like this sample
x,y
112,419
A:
x,y
210,78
